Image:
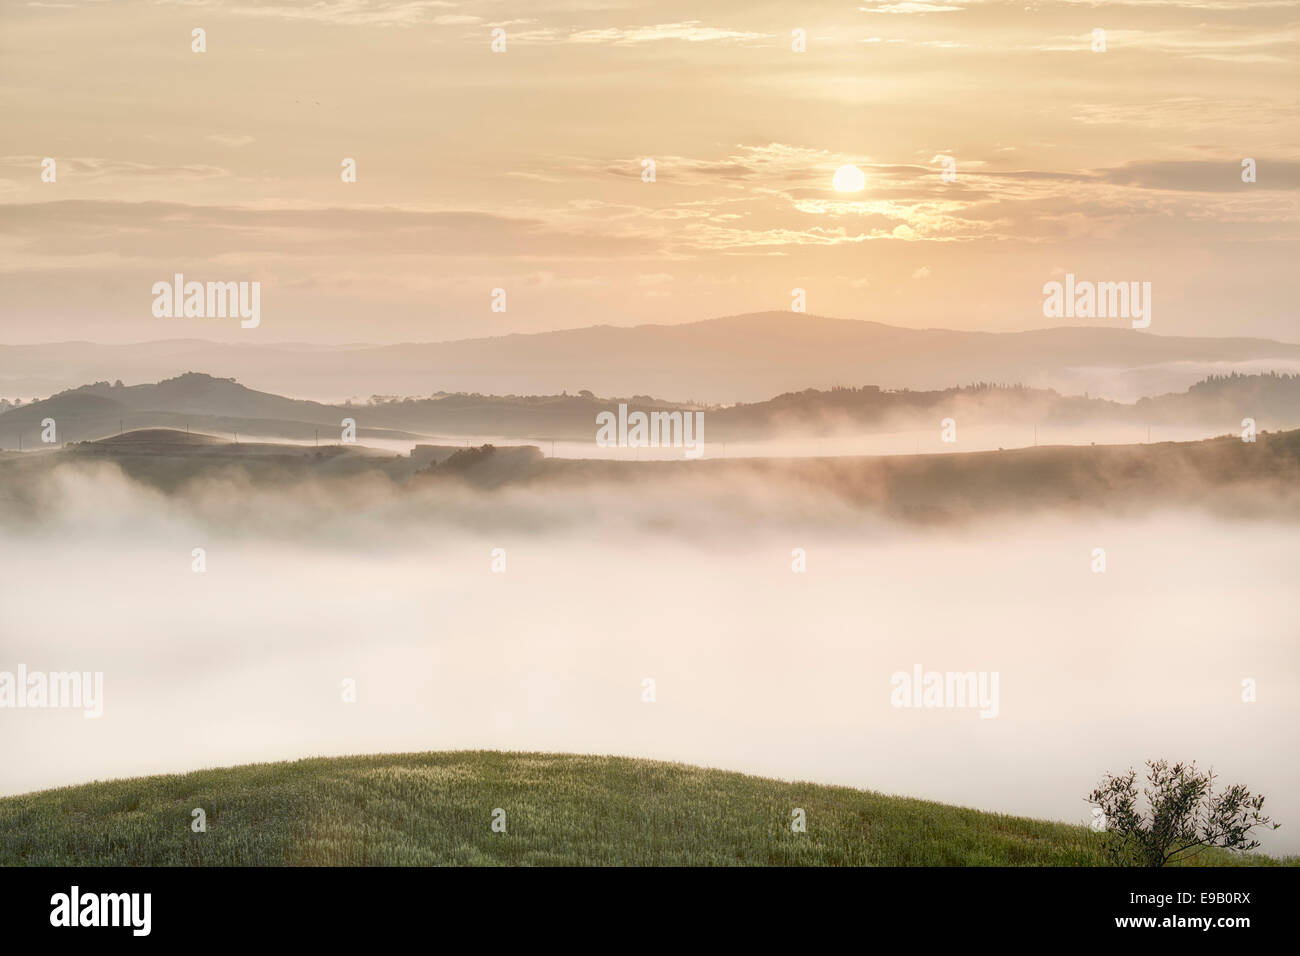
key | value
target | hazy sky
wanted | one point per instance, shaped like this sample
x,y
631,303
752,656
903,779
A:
x,y
522,170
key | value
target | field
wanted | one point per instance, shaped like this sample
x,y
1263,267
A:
x,y
430,809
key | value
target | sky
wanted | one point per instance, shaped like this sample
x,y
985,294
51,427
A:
x,y
523,170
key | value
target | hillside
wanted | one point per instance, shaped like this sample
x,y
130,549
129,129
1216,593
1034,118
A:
x,y
730,359
433,809
1222,475
166,458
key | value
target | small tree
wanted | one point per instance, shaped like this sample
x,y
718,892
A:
x,y
1182,815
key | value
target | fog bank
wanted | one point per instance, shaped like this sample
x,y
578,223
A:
x,y
755,667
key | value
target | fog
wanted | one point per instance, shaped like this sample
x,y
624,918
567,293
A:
x,y
755,668
1128,384
792,444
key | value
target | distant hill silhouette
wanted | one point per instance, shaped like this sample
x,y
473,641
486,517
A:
x,y
203,403
192,400
723,360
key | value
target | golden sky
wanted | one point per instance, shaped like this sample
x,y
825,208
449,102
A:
x,y
522,170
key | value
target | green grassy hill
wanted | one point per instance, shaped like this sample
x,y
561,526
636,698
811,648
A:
x,y
437,808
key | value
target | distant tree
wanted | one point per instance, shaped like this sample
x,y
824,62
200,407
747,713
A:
x,y
462,460
1182,815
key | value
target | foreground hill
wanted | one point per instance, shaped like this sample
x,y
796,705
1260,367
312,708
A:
x,y
436,808
735,358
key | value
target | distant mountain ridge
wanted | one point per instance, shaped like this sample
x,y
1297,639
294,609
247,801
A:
x,y
724,360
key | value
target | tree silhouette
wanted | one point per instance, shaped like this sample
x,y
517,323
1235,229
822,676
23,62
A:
x,y
1182,815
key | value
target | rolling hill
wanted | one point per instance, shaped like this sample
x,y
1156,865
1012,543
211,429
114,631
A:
x,y
432,809
220,405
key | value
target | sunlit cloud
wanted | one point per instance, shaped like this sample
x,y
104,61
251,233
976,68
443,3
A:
x,y
691,31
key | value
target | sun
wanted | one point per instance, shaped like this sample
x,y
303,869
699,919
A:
x,y
849,179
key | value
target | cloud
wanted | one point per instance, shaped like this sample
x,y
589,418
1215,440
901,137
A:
x,y
99,168
232,140
158,231
1186,112
956,6
534,177
914,6
1203,176
385,13
691,31
1226,42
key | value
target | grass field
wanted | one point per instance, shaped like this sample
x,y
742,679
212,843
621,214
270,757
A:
x,y
437,808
